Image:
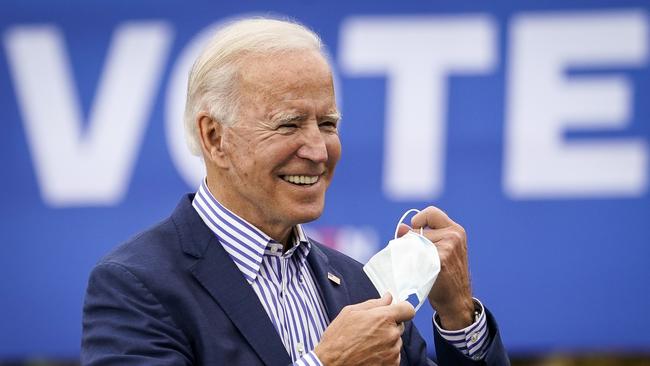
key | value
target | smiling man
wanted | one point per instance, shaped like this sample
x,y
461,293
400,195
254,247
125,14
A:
x,y
230,278
273,165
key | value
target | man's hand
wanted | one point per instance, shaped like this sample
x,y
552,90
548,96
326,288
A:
x,y
368,333
451,295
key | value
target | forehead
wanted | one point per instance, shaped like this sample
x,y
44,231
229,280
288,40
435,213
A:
x,y
286,75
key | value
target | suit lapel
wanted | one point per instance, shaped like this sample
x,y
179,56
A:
x,y
335,295
223,280
219,275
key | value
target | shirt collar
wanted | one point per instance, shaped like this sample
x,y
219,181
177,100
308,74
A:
x,y
245,243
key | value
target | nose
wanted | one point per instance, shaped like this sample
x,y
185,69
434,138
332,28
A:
x,y
313,145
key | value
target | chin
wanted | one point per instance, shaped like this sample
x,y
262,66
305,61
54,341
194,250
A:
x,y
308,213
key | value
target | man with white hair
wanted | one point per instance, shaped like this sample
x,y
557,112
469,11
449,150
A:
x,y
230,278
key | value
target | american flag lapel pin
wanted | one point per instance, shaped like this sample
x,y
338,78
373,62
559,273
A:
x,y
333,278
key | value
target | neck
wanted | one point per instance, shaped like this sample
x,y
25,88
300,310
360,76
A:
x,y
277,231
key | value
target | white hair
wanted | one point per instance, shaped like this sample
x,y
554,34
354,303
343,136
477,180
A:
x,y
212,85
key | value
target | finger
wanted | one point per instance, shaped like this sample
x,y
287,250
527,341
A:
x,y
402,230
401,328
431,217
372,303
402,311
436,235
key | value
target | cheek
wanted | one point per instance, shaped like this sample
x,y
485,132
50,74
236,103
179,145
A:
x,y
281,152
246,168
265,159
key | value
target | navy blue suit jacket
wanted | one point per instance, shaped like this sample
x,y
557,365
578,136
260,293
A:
x,y
173,296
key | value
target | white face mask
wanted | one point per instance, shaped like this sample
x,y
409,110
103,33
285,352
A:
x,y
408,265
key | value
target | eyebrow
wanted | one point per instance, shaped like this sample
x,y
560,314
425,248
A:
x,y
288,116
292,116
336,116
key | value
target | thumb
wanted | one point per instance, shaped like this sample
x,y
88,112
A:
x,y
403,311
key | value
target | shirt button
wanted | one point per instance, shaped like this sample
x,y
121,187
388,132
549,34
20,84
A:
x,y
474,337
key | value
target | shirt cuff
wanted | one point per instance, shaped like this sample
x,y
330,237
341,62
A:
x,y
471,341
309,359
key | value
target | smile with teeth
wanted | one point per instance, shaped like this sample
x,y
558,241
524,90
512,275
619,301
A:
x,y
301,179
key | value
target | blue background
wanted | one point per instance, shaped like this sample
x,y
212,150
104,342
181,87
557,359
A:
x,y
559,274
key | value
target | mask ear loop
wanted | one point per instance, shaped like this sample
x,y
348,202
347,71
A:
x,y
402,219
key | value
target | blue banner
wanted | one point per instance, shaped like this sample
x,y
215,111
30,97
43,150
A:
x,y
527,122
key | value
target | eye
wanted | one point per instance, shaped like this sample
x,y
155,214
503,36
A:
x,y
287,126
288,123
328,125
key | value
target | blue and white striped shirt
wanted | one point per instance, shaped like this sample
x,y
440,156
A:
x,y
286,289
471,341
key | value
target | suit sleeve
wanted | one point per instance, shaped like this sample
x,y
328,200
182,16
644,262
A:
x,y
124,323
415,349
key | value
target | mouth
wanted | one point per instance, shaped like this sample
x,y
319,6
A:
x,y
301,180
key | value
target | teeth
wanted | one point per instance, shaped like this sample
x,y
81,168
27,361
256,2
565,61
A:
x,y
301,179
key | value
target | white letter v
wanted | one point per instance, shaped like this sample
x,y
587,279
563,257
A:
x,y
78,166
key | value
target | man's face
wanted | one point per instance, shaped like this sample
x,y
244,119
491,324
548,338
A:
x,y
284,145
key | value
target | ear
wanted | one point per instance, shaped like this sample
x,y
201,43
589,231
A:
x,y
211,137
